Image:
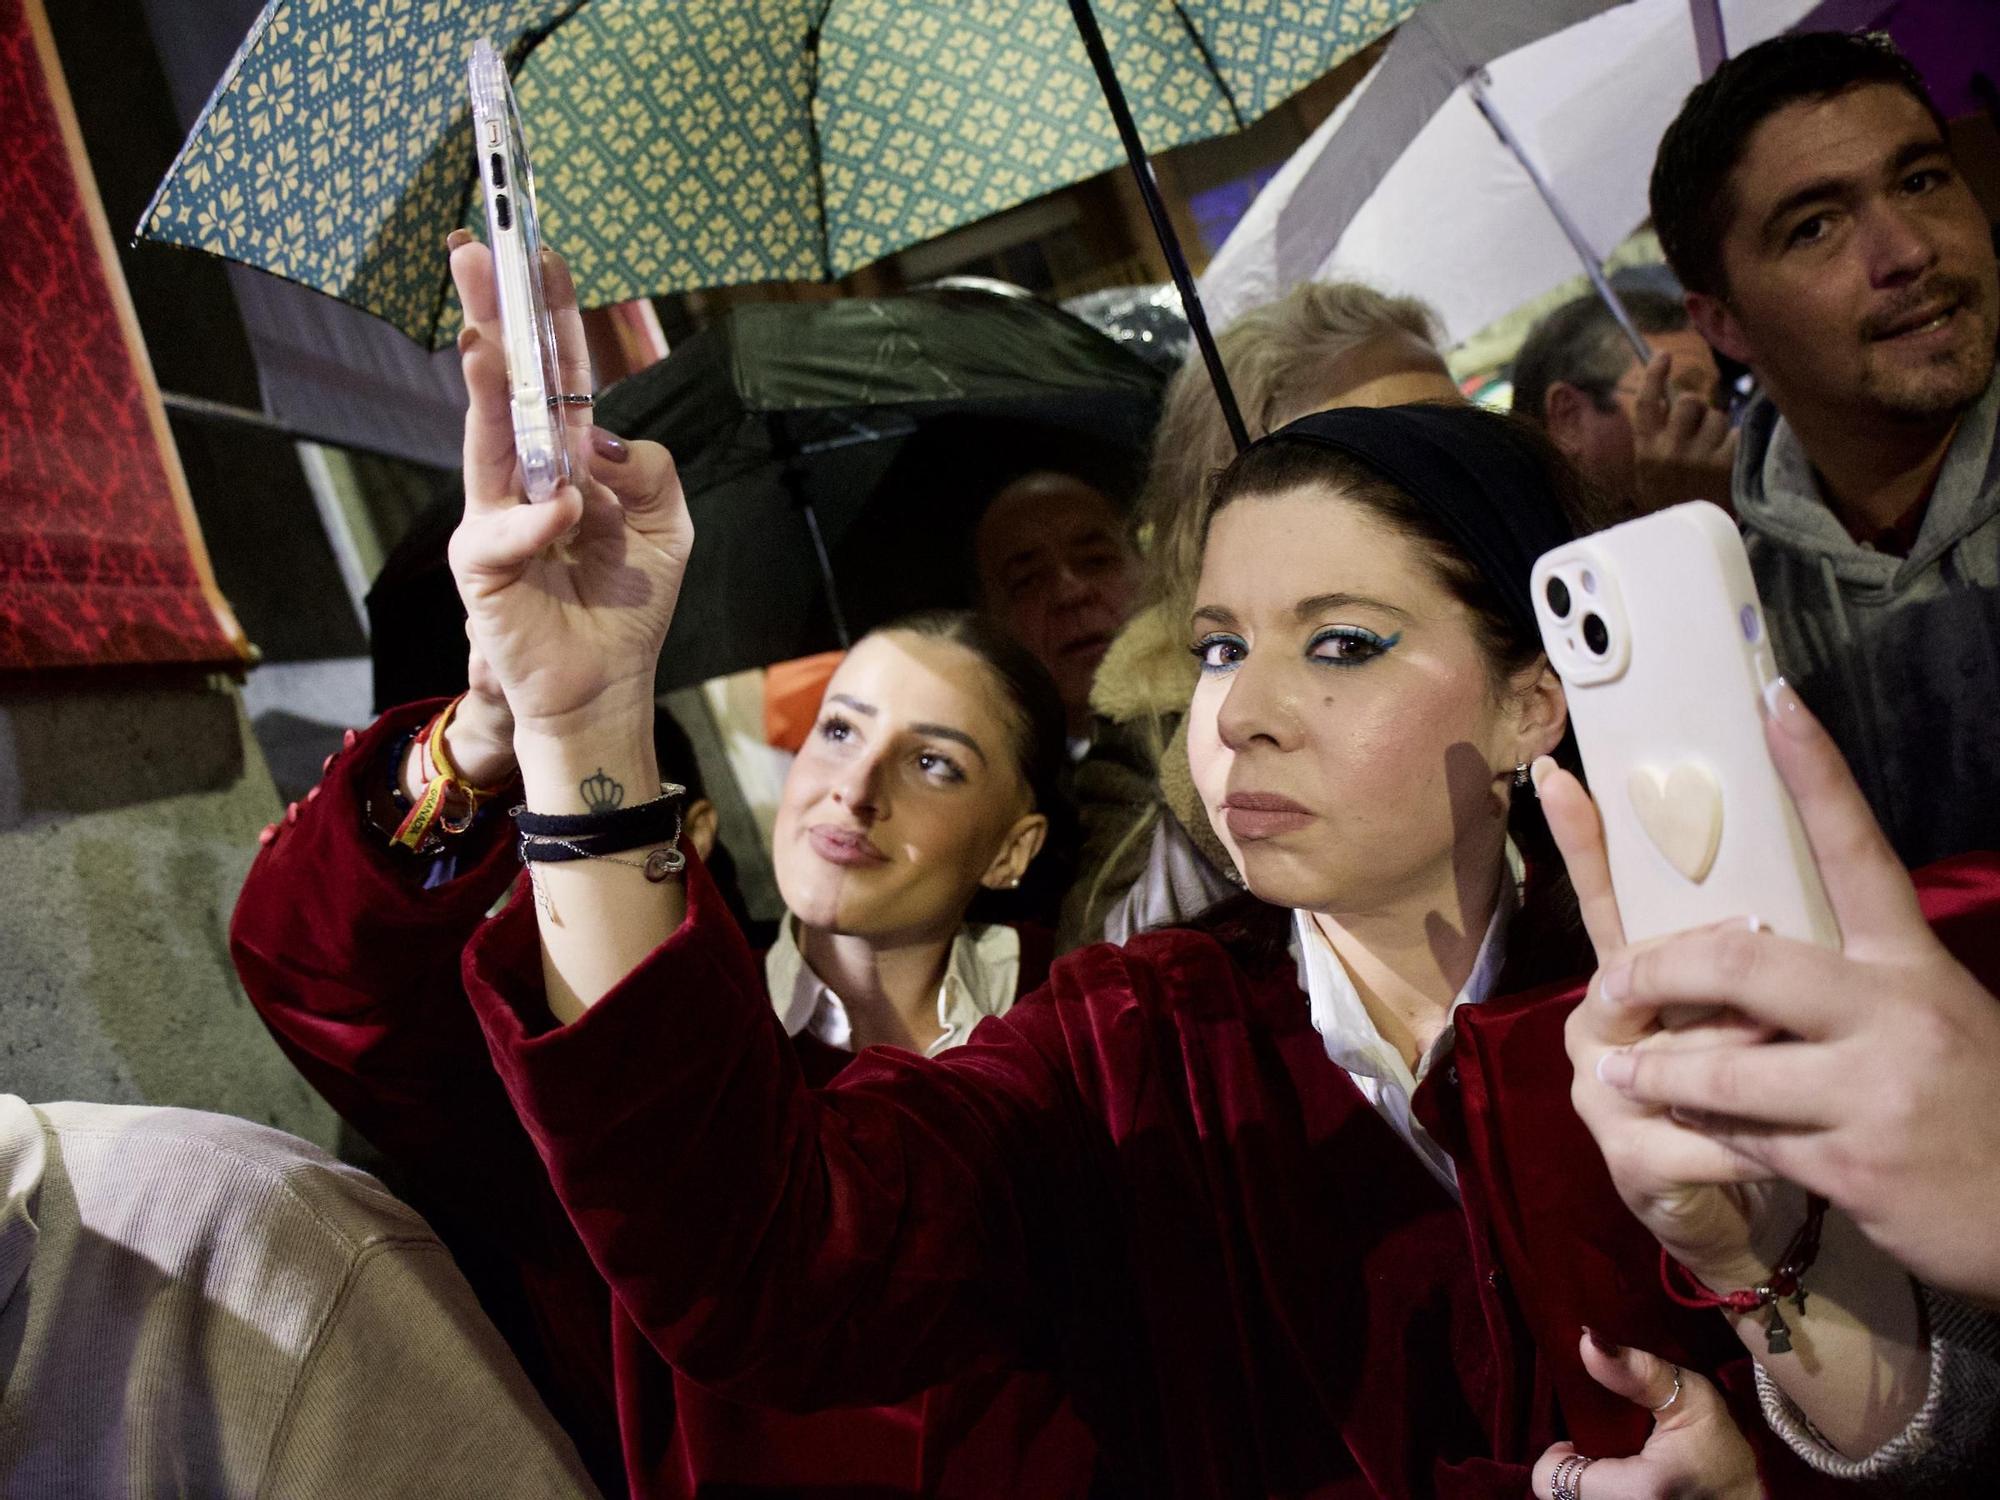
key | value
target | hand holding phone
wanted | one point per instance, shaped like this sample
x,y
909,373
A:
x,y
1656,630
534,371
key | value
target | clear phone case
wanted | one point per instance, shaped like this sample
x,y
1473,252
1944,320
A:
x,y
1657,633
534,373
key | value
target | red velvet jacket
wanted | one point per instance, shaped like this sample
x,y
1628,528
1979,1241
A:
x,y
356,971
1148,1178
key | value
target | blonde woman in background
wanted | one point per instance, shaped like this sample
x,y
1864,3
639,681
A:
x,y
1149,857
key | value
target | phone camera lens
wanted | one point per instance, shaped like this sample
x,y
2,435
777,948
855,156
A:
x,y
1558,594
1595,636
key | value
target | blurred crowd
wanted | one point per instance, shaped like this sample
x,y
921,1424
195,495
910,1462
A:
x,y
1199,1053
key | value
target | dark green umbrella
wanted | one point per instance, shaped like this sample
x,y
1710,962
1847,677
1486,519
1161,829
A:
x,y
836,457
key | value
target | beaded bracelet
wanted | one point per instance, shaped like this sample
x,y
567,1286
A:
x,y
1786,1281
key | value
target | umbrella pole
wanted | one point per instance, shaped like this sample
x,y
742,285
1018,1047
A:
x,y
1156,209
788,448
1711,42
1476,85
826,576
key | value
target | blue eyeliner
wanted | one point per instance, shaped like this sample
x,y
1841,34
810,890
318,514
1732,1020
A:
x,y
1360,635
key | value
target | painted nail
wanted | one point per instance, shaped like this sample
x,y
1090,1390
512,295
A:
x,y
609,448
1616,982
347,739
326,765
312,795
1539,771
1783,703
1600,1342
267,835
292,813
456,238
1617,1069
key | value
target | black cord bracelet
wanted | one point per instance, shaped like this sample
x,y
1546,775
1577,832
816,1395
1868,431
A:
x,y
553,839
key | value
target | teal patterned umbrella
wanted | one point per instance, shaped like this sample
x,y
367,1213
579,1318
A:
x,y
695,143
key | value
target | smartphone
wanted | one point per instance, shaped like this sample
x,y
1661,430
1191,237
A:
x,y
1656,630
527,332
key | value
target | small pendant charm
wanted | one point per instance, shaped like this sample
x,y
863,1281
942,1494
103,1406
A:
x,y
1778,1333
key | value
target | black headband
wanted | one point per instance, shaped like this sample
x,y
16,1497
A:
x,y
1483,481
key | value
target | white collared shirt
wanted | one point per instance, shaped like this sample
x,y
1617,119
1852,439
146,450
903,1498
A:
x,y
1353,1041
980,980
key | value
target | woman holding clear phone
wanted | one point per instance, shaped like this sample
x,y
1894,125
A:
x,y
1293,1204
923,785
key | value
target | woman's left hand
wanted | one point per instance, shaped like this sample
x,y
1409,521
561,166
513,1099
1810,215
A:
x,y
1705,1203
1696,1451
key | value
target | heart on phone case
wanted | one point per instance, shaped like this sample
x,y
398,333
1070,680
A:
x,y
1681,811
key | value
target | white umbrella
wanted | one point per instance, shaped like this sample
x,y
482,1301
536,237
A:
x,y
1447,211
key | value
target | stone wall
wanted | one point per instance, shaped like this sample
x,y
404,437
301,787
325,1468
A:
x,y
129,812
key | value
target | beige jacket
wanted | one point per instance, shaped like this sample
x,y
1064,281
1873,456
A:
x,y
195,1305
1149,856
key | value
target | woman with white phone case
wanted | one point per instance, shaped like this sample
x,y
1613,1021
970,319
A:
x,y
1294,1204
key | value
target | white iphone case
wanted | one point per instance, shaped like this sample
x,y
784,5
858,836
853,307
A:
x,y
1664,656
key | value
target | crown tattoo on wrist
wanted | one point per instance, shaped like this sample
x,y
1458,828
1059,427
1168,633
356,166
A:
x,y
601,794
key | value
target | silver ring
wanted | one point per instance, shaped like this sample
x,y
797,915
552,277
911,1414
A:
x,y
1567,1481
567,399
1656,1410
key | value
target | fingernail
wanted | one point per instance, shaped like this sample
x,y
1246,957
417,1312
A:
x,y
456,238
609,448
1754,925
1603,1344
1782,703
1617,982
1539,771
1617,1069
467,337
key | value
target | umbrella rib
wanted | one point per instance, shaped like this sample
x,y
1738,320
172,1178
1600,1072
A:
x,y
1208,62
256,35
812,40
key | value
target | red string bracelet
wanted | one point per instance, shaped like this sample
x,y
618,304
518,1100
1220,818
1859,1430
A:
x,y
1787,1280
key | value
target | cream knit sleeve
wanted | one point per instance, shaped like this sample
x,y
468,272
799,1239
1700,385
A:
x,y
1955,1434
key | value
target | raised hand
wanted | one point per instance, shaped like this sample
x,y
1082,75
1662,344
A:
x,y
1696,1449
567,601
1683,447
1882,1094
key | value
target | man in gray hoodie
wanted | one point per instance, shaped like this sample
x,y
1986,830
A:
x,y
1808,201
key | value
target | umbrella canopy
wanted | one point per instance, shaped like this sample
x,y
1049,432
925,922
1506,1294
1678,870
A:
x,y
836,456
1407,186
693,143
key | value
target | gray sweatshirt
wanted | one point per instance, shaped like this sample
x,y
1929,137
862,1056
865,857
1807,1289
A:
x,y
1900,657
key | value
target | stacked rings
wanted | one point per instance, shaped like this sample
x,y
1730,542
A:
x,y
1567,1481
